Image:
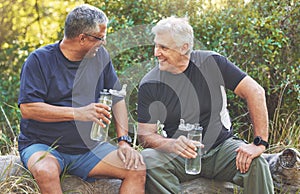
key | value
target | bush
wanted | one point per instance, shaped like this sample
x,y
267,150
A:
x,y
261,37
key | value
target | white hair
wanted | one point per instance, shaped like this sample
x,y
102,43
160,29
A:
x,y
179,28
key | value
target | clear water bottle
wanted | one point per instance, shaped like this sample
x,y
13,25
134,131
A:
x,y
99,133
193,165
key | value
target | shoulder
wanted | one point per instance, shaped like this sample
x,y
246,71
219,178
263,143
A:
x,y
208,59
200,56
41,54
44,53
47,49
151,76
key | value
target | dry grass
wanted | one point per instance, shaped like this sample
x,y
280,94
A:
x,y
20,183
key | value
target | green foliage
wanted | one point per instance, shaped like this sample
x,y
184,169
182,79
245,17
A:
x,y
25,25
261,37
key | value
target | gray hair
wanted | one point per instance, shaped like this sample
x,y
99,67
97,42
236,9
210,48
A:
x,y
179,28
84,19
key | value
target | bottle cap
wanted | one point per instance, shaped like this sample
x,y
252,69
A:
x,y
121,93
104,92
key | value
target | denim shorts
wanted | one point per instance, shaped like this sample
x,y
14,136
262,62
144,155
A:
x,y
79,165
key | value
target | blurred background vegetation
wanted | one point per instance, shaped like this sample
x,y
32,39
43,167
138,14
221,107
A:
x,y
261,37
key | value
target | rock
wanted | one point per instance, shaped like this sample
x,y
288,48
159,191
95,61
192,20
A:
x,y
10,165
73,184
284,166
204,186
285,170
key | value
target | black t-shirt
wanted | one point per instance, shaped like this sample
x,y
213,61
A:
x,y
47,76
197,95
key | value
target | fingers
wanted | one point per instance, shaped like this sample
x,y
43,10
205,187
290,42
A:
x,y
187,148
121,155
104,106
197,144
138,159
101,114
130,157
94,112
103,111
248,163
135,160
141,159
243,160
129,160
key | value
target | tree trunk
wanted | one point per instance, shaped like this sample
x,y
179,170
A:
x,y
284,166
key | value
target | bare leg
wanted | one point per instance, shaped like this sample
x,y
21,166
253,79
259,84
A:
x,y
133,179
46,170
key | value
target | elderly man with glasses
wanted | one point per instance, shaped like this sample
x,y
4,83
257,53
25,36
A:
x,y
60,85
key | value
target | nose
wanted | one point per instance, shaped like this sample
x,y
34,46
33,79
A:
x,y
157,51
103,42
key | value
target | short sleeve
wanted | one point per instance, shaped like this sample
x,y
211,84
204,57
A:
x,y
232,75
32,82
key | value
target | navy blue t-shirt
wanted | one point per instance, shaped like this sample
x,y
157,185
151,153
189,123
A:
x,y
197,95
48,76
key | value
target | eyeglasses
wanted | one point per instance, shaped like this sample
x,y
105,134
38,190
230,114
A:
x,y
101,39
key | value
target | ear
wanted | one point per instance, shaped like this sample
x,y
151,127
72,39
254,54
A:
x,y
81,38
184,49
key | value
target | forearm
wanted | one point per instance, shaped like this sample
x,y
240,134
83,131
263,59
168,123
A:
x,y
149,138
259,115
44,112
254,95
158,142
121,118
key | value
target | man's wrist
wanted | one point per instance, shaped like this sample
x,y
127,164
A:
x,y
123,143
124,139
258,141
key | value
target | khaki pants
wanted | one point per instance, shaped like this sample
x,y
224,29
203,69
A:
x,y
165,172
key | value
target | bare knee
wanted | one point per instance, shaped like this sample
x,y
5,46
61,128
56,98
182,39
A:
x,y
45,173
44,169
